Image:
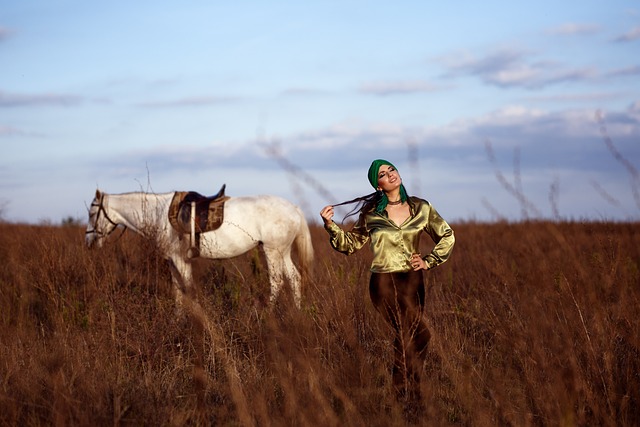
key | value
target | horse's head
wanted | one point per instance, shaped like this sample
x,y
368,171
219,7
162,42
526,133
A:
x,y
99,225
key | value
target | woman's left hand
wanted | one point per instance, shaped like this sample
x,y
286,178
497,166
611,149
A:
x,y
417,263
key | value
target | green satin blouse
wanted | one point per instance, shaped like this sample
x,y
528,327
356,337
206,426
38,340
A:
x,y
392,245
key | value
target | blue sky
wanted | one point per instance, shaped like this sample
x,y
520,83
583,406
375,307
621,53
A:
x,y
491,110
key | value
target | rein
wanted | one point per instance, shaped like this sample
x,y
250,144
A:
x,y
104,212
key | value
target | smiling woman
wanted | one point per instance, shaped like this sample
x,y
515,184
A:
x,y
394,223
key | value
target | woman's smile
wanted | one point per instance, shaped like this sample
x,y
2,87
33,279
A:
x,y
388,178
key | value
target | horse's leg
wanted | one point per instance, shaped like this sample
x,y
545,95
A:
x,y
182,278
293,275
275,266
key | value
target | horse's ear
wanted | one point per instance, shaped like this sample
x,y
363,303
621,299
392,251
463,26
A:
x,y
98,194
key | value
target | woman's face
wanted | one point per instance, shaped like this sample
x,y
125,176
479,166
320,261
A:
x,y
388,178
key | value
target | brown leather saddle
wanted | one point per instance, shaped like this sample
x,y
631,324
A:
x,y
192,212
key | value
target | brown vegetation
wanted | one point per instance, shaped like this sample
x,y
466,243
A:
x,y
533,323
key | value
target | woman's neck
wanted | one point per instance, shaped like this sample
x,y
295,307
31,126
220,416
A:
x,y
393,196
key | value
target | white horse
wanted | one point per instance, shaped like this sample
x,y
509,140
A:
x,y
248,221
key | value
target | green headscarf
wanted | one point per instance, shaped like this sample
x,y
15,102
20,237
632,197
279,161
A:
x,y
373,180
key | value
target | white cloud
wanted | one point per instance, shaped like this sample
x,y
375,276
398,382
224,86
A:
x,y
8,100
633,70
5,33
512,68
629,36
540,132
304,91
572,28
590,98
383,88
195,101
9,131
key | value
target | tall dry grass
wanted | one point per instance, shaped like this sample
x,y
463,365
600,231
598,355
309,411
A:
x,y
533,323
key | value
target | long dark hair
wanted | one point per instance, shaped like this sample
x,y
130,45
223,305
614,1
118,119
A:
x,y
364,204
375,201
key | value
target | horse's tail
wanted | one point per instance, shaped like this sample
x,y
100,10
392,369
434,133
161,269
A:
x,y
304,246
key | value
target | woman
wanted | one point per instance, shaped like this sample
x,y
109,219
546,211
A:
x,y
394,223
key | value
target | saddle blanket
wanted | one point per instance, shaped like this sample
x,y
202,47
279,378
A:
x,y
209,211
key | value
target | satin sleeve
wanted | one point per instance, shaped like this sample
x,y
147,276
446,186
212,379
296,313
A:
x,y
348,242
442,235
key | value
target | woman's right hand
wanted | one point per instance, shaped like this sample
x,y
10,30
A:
x,y
327,214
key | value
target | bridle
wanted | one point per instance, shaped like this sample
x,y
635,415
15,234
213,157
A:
x,y
103,211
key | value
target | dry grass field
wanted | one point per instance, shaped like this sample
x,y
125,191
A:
x,y
533,323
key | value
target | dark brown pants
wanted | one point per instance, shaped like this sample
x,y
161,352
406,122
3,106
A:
x,y
399,297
